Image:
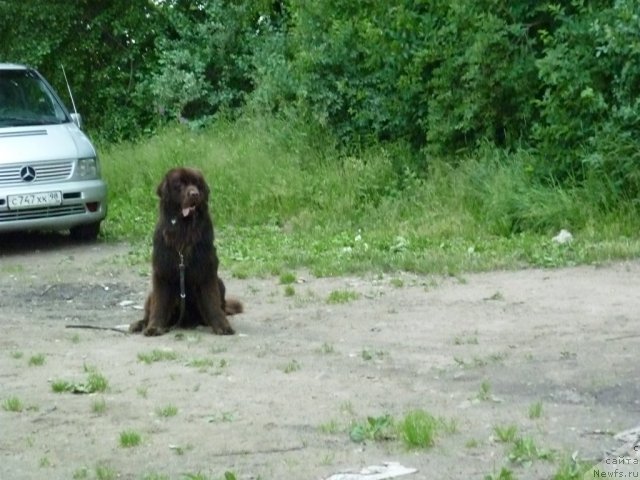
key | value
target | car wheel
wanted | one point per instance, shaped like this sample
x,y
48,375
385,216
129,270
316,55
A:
x,y
86,233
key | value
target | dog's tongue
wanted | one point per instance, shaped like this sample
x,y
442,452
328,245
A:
x,y
187,211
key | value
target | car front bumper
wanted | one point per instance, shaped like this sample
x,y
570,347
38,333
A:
x,y
83,202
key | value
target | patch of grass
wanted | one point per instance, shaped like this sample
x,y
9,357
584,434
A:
x,y
373,428
346,408
157,355
418,429
216,349
342,296
81,474
167,411
496,296
484,212
572,469
370,355
201,363
477,362
13,404
225,417
524,451
287,278
472,443
330,427
504,474
130,438
12,268
36,360
195,476
75,338
506,434
292,366
156,476
326,348
484,393
466,340
142,391
96,382
99,406
16,355
44,462
535,410
397,282
105,472
289,291
60,386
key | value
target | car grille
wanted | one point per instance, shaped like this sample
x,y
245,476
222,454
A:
x,y
44,212
45,172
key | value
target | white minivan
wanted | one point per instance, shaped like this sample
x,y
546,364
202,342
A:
x,y
49,170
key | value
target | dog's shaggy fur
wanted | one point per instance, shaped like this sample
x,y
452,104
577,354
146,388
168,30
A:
x,y
185,229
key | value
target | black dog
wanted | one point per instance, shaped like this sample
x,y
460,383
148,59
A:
x,y
186,290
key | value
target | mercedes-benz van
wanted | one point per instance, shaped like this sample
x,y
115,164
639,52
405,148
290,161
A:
x,y
49,170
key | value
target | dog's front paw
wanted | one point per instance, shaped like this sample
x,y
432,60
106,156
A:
x,y
223,330
152,331
137,327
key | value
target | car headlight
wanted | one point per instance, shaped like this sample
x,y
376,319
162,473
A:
x,y
87,168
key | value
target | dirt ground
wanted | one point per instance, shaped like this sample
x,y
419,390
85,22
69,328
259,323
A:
x,y
278,400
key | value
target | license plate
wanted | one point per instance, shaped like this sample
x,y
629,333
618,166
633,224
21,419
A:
x,y
32,200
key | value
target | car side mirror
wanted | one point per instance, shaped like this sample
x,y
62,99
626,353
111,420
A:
x,y
77,119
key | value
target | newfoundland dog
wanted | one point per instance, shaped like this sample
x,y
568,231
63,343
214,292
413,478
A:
x,y
186,290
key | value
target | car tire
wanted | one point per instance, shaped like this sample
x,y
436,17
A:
x,y
86,233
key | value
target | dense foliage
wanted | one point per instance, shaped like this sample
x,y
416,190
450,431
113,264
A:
x,y
559,79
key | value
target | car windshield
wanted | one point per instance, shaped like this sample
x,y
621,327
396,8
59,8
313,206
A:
x,y
26,100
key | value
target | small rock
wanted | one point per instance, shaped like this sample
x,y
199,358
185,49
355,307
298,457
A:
x,y
564,236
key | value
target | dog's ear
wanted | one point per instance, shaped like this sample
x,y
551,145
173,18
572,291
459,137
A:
x,y
163,188
206,190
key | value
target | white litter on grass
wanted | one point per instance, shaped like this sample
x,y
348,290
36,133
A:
x,y
376,472
564,236
126,303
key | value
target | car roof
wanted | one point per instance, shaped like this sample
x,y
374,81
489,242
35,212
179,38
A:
x,y
12,66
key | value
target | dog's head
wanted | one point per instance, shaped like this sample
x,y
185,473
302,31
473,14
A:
x,y
183,192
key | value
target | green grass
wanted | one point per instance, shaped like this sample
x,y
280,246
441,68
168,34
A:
x,y
105,472
524,451
418,429
285,201
330,427
535,410
326,348
99,406
36,360
13,404
506,434
96,382
292,366
342,296
484,393
157,355
130,438
503,474
167,411
373,428
200,363
287,278
156,476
